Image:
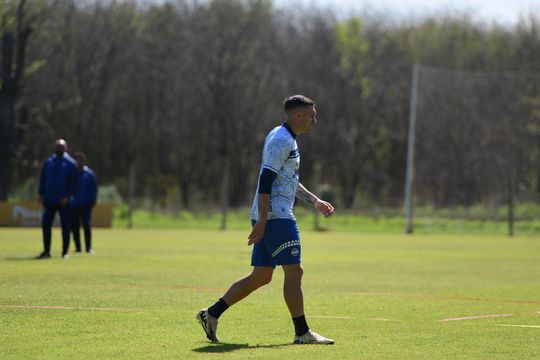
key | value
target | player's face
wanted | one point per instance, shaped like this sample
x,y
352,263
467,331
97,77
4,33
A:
x,y
308,118
60,148
80,161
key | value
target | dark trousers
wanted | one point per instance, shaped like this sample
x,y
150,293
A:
x,y
49,210
81,214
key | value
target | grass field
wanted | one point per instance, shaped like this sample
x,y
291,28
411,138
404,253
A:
x,y
341,222
380,296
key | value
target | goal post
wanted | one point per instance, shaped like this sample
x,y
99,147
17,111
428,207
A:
x,y
409,174
473,149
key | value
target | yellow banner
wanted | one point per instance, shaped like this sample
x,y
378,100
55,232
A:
x,y
29,213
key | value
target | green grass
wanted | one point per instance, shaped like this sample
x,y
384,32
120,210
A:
x,y
380,296
382,223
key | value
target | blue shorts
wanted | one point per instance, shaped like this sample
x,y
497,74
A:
x,y
280,244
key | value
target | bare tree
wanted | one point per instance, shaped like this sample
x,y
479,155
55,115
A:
x,y
12,125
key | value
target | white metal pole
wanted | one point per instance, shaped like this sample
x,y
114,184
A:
x,y
410,152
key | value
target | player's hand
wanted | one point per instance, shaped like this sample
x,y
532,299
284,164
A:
x,y
324,207
64,200
257,233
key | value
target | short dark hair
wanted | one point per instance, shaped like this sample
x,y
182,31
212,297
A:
x,y
80,155
296,101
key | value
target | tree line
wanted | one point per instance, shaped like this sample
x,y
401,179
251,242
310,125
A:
x,y
182,93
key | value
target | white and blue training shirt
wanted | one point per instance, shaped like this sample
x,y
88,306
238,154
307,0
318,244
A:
x,y
281,156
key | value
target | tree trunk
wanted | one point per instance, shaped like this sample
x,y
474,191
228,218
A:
x,y
131,193
10,137
224,193
349,184
185,188
316,184
7,121
5,165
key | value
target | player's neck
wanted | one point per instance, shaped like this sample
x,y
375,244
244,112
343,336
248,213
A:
x,y
293,127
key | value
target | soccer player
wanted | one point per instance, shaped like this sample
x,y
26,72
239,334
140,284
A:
x,y
275,237
82,203
57,182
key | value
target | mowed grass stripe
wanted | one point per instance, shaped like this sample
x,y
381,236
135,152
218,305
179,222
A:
x,y
447,298
380,296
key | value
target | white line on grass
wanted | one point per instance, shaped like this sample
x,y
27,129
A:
x,y
475,317
330,317
66,308
444,298
145,286
522,326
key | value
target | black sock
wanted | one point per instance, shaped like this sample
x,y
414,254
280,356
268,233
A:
x,y
218,308
300,325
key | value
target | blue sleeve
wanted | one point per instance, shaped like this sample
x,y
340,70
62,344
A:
x,y
42,179
265,181
94,189
72,181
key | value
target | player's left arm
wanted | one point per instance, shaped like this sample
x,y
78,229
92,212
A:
x,y
93,189
324,207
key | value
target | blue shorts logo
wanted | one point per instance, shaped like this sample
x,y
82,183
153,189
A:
x,y
295,252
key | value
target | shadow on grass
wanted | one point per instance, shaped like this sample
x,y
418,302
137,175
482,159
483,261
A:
x,y
26,258
225,347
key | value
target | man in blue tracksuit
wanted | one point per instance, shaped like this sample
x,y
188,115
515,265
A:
x,y
82,203
57,183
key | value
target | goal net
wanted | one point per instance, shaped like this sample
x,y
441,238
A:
x,y
476,148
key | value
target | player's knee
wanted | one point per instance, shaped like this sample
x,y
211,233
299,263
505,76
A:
x,y
262,278
299,272
265,278
294,272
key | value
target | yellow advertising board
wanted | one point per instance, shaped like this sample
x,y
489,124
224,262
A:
x,y
29,213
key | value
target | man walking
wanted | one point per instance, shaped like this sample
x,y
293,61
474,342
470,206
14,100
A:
x,y
57,183
275,237
82,203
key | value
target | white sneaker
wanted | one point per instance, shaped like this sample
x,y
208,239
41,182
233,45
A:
x,y
312,338
209,324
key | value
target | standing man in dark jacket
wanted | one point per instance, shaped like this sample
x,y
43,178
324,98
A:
x,y
57,184
82,203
